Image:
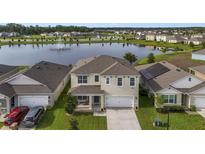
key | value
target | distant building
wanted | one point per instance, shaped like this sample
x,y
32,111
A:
x,y
150,37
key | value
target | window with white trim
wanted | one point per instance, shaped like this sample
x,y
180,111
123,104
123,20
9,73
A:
x,y
169,99
82,79
107,80
96,78
132,82
119,82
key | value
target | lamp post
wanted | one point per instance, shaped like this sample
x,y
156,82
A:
x,y
168,119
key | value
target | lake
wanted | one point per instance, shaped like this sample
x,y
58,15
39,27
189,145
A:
x,y
32,54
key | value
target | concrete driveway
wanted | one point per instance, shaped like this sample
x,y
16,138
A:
x,y
122,119
201,112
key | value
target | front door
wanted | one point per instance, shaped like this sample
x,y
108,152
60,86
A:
x,y
96,100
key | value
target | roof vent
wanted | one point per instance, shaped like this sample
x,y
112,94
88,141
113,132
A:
x,y
178,69
190,79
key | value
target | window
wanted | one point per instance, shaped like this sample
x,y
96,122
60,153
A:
x,y
132,82
96,78
169,98
107,80
82,79
119,82
82,98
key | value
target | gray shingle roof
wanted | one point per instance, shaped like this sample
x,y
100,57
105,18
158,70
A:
x,y
87,89
200,68
106,65
6,69
7,90
49,74
31,89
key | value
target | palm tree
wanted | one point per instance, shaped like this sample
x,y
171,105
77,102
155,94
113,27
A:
x,y
130,57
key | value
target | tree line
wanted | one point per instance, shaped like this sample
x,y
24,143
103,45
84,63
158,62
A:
x,y
36,30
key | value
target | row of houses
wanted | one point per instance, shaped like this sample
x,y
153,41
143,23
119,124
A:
x,y
102,82
195,39
9,34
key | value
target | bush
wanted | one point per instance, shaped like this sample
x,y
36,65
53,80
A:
x,y
73,124
170,108
193,108
71,104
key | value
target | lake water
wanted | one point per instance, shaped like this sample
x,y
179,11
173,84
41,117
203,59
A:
x,y
31,54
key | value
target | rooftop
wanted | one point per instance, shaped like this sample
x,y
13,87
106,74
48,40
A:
x,y
49,74
87,89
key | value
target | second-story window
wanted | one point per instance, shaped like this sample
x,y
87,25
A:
x,y
107,80
132,82
96,78
82,79
119,82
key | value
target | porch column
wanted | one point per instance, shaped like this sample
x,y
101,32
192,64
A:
x,y
90,102
189,102
102,106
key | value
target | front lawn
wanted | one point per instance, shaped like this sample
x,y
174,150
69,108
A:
x,y
1,124
178,121
56,118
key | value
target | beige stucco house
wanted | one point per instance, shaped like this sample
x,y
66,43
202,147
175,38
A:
x,y
172,83
104,81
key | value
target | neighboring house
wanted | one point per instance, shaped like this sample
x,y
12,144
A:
x,y
173,84
198,71
175,39
195,41
7,71
104,81
40,85
197,36
161,38
150,37
199,55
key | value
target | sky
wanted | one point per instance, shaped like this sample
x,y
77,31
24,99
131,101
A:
x,y
121,24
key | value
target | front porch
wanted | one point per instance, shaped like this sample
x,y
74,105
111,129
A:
x,y
90,98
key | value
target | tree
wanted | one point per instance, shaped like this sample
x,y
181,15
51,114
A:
x,y
130,57
73,124
191,44
159,100
151,58
71,104
203,44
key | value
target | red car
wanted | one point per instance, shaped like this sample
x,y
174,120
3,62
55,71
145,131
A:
x,y
16,115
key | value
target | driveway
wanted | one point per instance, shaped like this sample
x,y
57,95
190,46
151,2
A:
x,y
201,112
122,119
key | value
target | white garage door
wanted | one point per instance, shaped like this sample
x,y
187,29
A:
x,y
32,101
199,102
119,101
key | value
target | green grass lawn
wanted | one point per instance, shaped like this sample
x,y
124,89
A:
x,y
178,121
56,118
1,124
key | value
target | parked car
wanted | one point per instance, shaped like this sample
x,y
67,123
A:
x,y
32,117
16,115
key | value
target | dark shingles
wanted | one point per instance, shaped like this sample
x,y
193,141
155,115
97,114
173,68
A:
x,y
87,89
7,90
49,74
31,89
4,69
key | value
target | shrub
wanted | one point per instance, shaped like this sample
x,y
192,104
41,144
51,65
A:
x,y
151,58
193,108
71,104
170,108
73,124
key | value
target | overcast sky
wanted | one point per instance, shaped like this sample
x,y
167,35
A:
x,y
122,24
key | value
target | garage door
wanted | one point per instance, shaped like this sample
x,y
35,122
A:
x,y
199,102
32,101
119,101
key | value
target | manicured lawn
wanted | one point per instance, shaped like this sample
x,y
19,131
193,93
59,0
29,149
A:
x,y
1,124
178,121
56,118
182,60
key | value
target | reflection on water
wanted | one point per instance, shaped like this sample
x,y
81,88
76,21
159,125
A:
x,y
33,53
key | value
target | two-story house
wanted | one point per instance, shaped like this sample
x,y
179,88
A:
x,y
104,81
